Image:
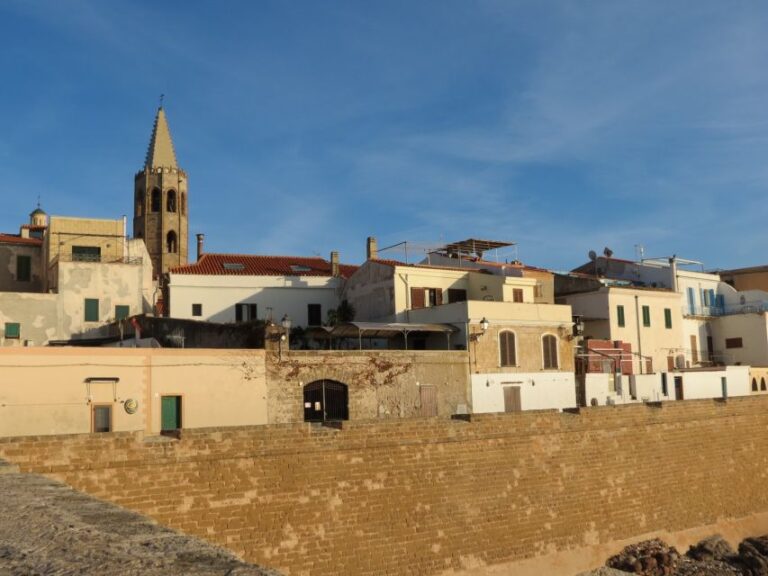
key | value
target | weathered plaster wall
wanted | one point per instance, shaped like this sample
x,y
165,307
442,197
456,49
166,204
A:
x,y
381,384
8,268
423,496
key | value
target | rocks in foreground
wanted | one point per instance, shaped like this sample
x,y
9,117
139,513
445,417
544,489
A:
x,y
713,556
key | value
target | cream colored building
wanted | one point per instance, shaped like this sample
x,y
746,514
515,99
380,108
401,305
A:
x,y
649,319
520,352
79,390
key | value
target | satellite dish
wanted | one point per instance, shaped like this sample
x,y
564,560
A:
x,y
607,252
592,255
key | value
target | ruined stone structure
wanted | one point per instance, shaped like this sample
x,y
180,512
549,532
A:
x,y
423,496
160,214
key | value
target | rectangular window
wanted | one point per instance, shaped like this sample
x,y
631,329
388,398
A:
x,y
314,315
517,294
549,349
694,349
417,298
457,295
667,318
647,316
434,296
620,316
91,309
101,418
664,388
86,254
23,268
197,309
733,343
245,312
122,312
691,301
170,413
12,330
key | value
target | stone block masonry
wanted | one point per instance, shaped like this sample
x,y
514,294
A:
x,y
424,496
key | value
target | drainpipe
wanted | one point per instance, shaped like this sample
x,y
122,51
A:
x,y
639,333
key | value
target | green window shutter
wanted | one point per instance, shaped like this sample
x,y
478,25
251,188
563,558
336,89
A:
x,y
667,318
122,312
12,330
170,412
23,268
646,316
620,315
91,309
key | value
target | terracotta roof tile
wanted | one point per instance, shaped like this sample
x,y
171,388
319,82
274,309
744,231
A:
x,y
16,239
253,265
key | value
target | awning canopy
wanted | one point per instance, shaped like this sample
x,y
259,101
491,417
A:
x,y
379,329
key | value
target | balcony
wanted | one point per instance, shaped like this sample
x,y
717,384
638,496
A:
x,y
747,307
706,311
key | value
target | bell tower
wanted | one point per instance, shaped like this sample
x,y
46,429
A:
x,y
160,201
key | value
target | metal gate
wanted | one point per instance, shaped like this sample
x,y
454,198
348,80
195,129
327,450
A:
x,y
326,400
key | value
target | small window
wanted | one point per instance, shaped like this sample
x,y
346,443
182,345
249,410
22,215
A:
x,y
86,253
733,343
620,316
507,352
314,315
102,418
122,312
549,349
12,330
762,384
91,309
664,388
647,316
170,202
155,202
171,242
139,203
245,312
197,309
23,268
434,296
517,294
170,413
457,295
667,318
754,384
183,204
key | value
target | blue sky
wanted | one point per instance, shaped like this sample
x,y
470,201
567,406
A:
x,y
305,127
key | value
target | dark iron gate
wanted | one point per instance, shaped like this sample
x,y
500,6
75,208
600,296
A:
x,y
326,400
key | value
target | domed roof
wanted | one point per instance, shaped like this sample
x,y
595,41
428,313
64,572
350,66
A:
x,y
37,211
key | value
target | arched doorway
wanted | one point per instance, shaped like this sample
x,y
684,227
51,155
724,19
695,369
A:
x,y
326,400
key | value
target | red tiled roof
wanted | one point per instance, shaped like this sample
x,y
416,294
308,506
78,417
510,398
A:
x,y
252,265
16,239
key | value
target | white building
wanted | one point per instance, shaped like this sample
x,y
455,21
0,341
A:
x,y
239,288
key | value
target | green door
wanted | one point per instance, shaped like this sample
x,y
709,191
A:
x,y
170,413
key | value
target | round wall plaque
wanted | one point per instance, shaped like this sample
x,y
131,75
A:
x,y
131,406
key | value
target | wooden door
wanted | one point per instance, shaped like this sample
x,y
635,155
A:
x,y
170,413
428,396
679,388
512,402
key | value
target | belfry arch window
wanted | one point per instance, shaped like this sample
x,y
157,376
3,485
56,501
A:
x,y
155,200
183,204
170,203
754,384
171,242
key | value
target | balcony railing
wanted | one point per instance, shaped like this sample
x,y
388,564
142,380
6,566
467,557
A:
x,y
751,307
703,311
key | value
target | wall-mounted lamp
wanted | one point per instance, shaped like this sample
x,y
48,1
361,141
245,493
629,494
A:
x,y
286,322
483,328
484,324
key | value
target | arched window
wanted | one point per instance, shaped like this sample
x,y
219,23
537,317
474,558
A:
x,y
171,243
183,204
170,203
754,384
507,351
762,384
139,203
549,351
155,202
326,400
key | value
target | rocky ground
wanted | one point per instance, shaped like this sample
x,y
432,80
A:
x,y
712,556
48,529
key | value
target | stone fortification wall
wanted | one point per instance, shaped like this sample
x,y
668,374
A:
x,y
421,496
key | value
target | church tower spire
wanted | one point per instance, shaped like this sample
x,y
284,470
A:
x,y
160,201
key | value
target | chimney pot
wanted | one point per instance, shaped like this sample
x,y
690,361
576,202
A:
x,y
372,249
200,239
335,271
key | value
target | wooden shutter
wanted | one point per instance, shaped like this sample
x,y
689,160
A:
x,y
238,312
517,294
428,397
438,296
512,402
91,309
549,346
507,349
417,298
694,350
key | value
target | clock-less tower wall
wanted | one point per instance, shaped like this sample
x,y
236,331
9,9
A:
x,y
160,213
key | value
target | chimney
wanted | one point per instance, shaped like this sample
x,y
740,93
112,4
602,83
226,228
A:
x,y
372,249
335,272
200,238
673,272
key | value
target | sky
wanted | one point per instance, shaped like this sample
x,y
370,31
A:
x,y
305,127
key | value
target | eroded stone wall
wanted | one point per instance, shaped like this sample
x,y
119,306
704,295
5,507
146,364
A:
x,y
420,496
